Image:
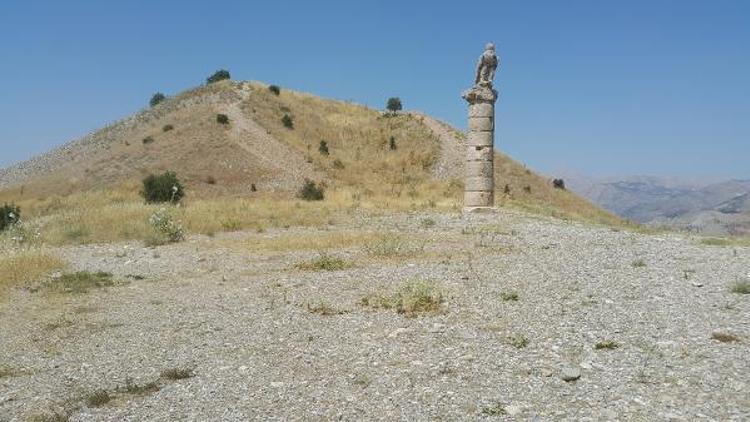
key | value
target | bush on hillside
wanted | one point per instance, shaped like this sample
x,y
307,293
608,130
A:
x,y
323,148
222,119
287,121
559,184
394,104
167,128
9,215
162,188
166,228
148,140
275,89
219,75
311,192
392,144
157,98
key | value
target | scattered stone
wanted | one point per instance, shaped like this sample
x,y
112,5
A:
x,y
570,373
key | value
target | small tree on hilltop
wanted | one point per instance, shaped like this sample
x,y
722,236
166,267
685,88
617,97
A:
x,y
275,89
157,98
323,148
162,188
219,75
394,105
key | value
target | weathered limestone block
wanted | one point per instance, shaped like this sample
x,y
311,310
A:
x,y
479,153
480,139
482,110
479,199
479,183
481,124
479,169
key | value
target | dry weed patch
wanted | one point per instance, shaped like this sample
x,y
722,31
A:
x,y
24,266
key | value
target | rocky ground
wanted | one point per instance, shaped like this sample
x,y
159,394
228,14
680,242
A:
x,y
541,320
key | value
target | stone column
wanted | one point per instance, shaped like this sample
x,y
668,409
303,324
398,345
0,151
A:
x,y
479,186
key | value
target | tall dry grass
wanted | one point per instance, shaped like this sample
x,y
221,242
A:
x,y
19,266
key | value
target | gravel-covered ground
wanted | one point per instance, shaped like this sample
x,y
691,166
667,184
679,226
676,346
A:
x,y
239,319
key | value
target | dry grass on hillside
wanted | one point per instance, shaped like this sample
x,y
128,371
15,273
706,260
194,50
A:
x,y
26,265
120,214
357,138
94,197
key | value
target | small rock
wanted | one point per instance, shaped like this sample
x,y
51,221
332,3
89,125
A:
x,y
513,410
570,374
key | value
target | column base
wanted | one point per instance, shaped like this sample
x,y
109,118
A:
x,y
480,210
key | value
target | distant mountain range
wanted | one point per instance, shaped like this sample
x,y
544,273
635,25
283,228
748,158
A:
x,y
719,208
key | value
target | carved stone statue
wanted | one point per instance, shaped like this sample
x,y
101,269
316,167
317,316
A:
x,y
487,66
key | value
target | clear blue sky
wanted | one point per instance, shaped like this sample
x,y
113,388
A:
x,y
601,87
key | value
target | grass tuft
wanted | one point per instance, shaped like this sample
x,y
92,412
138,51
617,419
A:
x,y
519,341
392,245
741,287
81,281
324,263
174,374
725,337
509,296
638,263
133,388
606,345
98,398
496,409
413,298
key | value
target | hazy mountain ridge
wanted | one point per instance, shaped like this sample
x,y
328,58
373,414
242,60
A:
x,y
713,208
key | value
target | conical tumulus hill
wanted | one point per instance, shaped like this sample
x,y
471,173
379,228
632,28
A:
x,y
269,144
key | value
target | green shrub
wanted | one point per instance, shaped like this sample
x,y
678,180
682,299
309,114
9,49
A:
x,y
394,104
311,192
148,140
162,188
275,89
287,121
222,119
323,148
9,215
219,75
157,98
167,128
392,143
168,230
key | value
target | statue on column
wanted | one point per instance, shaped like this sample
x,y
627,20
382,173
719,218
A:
x,y
487,66
485,74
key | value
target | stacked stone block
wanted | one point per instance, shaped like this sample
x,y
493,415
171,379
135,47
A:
x,y
479,186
